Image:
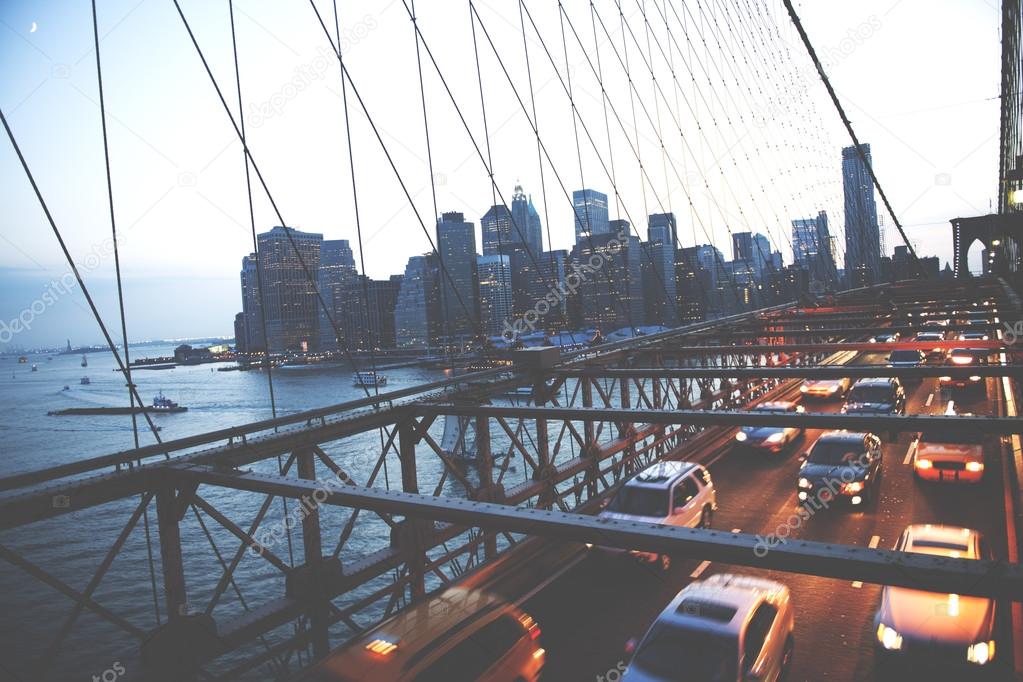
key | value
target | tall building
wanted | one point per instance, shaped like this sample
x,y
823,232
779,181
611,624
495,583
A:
x,y
417,308
499,232
372,305
291,306
240,342
813,250
252,306
662,227
611,282
753,250
336,280
527,220
591,218
862,237
456,246
495,278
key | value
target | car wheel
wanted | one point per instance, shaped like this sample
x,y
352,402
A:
x,y
665,562
786,656
706,516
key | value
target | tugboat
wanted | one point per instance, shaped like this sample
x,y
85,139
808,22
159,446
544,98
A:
x,y
22,360
164,404
369,379
85,361
85,381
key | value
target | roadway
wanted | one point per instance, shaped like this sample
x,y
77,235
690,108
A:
x,y
598,603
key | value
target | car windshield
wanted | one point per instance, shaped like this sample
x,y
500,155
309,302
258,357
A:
x,y
671,653
928,336
834,453
638,501
904,356
951,436
870,394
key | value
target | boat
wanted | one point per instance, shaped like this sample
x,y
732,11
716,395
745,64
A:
x,y
162,403
22,360
85,361
369,379
85,381
35,368
66,387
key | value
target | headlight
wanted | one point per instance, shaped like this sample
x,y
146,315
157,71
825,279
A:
x,y
975,378
776,437
804,483
854,487
741,436
890,639
833,388
945,379
981,652
924,464
804,388
975,466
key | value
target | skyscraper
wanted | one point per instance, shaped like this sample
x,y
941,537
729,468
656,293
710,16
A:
x,y
611,281
753,250
291,306
336,280
591,219
456,246
499,233
862,237
252,306
527,220
662,227
495,280
417,308
813,250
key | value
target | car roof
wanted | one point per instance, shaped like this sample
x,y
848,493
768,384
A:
x,y
720,603
924,537
874,381
661,475
775,405
842,437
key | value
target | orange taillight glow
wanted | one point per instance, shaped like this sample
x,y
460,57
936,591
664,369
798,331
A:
x,y
962,359
531,626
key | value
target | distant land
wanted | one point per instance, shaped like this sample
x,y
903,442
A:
x,y
100,348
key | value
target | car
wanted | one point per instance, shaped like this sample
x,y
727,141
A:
x,y
771,438
890,337
903,358
935,353
949,454
954,633
878,395
842,466
723,628
978,323
973,336
460,634
966,357
672,493
825,389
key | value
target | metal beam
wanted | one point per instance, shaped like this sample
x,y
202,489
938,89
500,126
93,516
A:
x,y
853,422
993,579
810,372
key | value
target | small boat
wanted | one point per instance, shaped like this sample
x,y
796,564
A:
x,y
35,368
22,360
85,361
85,381
66,387
369,379
164,404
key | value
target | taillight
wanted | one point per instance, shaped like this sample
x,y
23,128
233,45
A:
x,y
531,626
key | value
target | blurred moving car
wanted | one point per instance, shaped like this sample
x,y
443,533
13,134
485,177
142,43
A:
x,y
841,466
672,493
974,336
901,359
771,438
966,357
949,455
458,635
949,631
887,337
935,353
724,628
825,389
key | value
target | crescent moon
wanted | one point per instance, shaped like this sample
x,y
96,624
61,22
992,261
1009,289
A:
x,y
35,27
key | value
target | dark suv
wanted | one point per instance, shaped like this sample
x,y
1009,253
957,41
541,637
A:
x,y
841,466
876,396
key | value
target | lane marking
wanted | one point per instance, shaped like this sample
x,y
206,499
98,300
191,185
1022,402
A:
x,y
699,570
930,399
874,540
909,452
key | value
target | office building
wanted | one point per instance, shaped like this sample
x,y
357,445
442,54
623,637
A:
x,y
495,281
417,308
456,248
862,236
591,217
527,220
288,260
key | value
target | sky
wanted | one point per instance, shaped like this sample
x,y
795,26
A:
x,y
724,123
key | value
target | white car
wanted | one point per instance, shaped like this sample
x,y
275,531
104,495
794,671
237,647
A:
x,y
774,439
825,389
725,628
672,493
948,630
